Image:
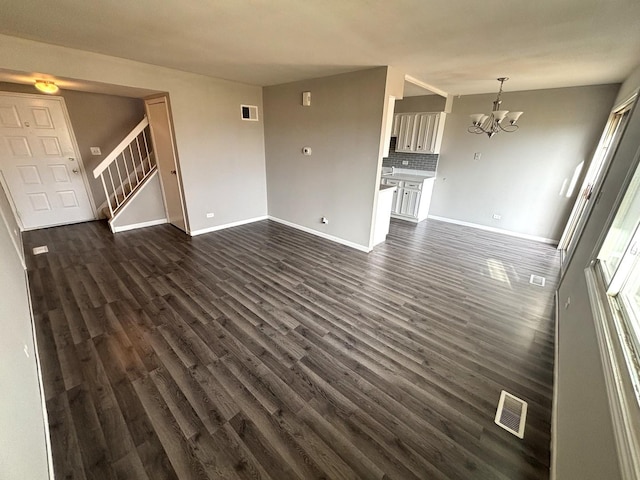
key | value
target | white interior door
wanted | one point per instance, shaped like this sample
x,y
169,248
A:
x,y
39,162
164,148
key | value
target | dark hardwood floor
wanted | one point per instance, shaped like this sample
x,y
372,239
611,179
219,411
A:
x,y
264,352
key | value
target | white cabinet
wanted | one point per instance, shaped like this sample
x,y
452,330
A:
x,y
411,199
406,128
426,128
397,195
410,202
418,132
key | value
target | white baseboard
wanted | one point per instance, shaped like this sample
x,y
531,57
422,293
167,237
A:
x,y
326,236
554,406
406,219
551,241
133,226
227,225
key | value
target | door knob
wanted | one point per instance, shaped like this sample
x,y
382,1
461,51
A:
x,y
173,172
75,170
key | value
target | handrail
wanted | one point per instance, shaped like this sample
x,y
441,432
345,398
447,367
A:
x,y
104,164
127,167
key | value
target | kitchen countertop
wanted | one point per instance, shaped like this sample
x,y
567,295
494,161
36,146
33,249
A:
x,y
409,177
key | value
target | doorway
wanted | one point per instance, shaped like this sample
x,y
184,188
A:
x,y
40,162
159,114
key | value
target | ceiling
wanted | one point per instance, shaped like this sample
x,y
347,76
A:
x,y
459,47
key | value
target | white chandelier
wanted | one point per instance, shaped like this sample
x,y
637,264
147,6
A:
x,y
497,121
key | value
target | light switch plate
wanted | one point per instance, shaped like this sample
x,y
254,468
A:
x,y
96,151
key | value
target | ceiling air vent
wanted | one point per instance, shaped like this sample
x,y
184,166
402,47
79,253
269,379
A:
x,y
537,280
249,112
511,414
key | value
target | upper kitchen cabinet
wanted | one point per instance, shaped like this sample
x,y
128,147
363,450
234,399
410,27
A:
x,y
418,132
406,126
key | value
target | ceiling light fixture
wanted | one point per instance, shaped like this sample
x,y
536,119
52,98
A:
x,y
46,86
493,123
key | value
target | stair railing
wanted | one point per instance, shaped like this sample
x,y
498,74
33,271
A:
x,y
127,166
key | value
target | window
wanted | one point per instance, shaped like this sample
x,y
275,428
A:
x,y
619,259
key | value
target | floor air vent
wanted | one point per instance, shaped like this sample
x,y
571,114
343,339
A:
x,y
39,250
511,414
537,280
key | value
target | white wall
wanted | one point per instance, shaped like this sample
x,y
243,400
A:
x,y
585,445
520,175
221,156
22,429
340,179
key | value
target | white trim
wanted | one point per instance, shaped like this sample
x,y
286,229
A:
x,y
133,226
164,99
620,405
551,241
227,225
625,103
36,352
16,243
406,218
420,83
326,236
554,405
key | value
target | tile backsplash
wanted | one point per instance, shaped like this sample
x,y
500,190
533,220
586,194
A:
x,y
417,161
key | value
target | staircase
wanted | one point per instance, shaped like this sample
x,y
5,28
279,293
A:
x,y
126,169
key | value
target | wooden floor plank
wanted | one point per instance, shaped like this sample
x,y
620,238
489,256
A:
x,y
264,352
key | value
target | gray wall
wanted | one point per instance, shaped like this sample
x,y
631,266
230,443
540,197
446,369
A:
x,y
221,156
147,206
585,444
343,127
520,175
425,103
98,121
22,430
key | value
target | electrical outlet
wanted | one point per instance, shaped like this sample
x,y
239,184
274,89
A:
x,y
567,303
476,156
324,220
405,162
497,216
210,215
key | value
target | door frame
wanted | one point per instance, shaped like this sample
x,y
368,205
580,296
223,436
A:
x,y
176,160
76,150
